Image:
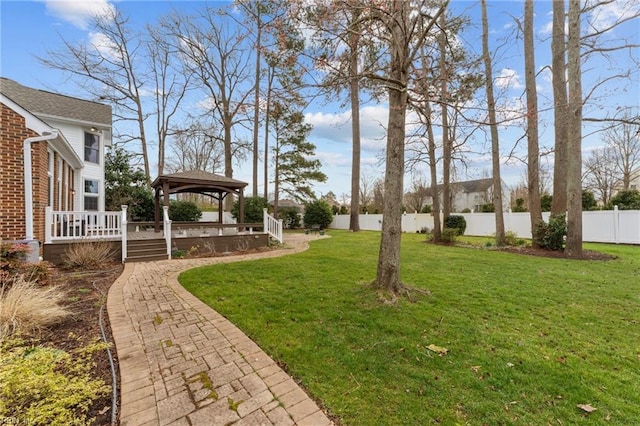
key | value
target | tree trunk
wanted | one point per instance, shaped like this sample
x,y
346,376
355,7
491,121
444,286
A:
x,y
266,134
574,151
256,105
493,126
533,166
559,82
388,273
435,210
446,143
354,87
228,160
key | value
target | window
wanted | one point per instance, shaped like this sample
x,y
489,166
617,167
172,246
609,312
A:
x,y
91,147
91,194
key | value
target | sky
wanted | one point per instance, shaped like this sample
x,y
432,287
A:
x,y
32,28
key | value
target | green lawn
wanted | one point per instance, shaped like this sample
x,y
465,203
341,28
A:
x,y
529,338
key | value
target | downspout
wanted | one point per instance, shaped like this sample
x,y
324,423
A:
x,y
28,180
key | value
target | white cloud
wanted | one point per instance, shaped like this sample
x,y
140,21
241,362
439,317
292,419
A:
x,y
608,14
103,44
337,126
79,13
508,79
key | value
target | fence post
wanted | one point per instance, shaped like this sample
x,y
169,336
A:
x,y
616,224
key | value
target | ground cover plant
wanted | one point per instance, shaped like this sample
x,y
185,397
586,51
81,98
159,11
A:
x,y
504,338
53,369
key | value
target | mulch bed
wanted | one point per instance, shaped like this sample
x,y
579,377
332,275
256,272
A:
x,y
87,292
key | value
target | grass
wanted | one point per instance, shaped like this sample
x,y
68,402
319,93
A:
x,y
528,338
27,308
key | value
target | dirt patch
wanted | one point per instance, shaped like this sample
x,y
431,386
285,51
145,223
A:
x,y
86,293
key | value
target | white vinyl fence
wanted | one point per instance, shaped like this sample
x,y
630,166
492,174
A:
x,y
605,226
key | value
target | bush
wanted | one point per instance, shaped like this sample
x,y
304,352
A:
x,y
426,209
12,264
467,210
88,255
290,217
626,200
511,238
519,207
456,222
318,213
253,209
184,211
449,235
550,236
26,308
545,202
47,386
487,208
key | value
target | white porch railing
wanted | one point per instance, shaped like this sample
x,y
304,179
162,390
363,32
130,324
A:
x,y
273,226
167,229
64,225
124,233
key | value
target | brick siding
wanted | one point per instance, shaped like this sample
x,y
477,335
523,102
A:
x,y
13,132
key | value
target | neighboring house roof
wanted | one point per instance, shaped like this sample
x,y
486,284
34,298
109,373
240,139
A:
x,y
471,186
43,103
286,203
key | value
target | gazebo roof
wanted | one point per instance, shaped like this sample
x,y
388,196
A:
x,y
198,181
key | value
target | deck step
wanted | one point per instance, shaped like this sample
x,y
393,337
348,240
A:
x,y
146,258
146,250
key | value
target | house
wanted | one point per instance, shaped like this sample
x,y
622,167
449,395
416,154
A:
x,y
471,195
51,155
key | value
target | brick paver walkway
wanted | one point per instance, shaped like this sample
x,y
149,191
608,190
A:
x,y
182,363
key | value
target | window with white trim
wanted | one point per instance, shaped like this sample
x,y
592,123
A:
x,y
91,147
91,194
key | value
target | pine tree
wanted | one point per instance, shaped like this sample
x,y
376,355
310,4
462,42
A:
x,y
295,170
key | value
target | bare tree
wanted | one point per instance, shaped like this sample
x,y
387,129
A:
x,y
601,174
365,191
623,141
418,194
216,56
493,126
170,87
198,146
110,69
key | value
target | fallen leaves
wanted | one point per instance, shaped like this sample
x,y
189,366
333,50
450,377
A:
x,y
587,408
438,349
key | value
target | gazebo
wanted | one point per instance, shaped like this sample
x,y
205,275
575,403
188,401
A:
x,y
198,182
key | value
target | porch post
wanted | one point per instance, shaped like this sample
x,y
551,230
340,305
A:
x,y
220,213
241,206
156,211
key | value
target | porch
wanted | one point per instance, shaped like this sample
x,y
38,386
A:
x,y
138,241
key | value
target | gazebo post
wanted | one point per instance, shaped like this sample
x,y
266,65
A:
x,y
220,212
165,193
156,211
241,207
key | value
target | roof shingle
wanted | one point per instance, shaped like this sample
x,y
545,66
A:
x,y
41,102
